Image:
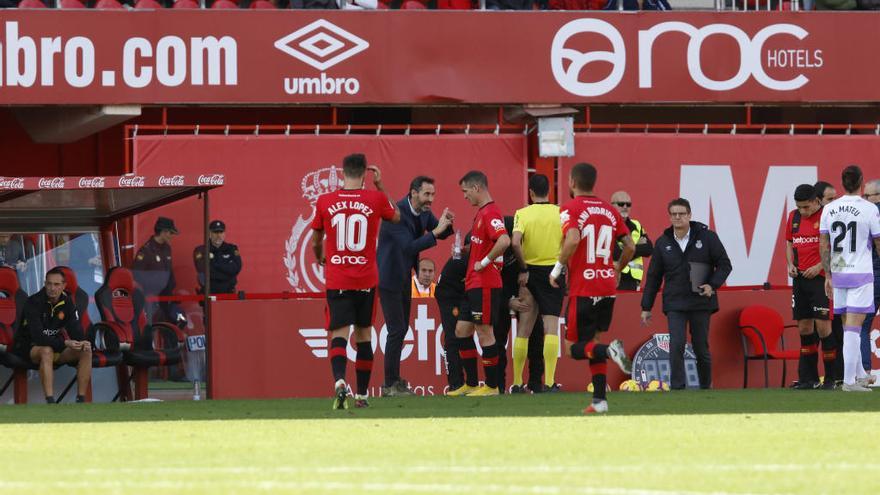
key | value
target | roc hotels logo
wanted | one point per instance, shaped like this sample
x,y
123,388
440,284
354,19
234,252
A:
x,y
322,45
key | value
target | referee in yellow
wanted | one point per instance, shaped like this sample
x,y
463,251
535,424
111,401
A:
x,y
537,235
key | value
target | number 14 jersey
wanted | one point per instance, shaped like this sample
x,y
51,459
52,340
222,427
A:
x,y
350,219
591,267
852,223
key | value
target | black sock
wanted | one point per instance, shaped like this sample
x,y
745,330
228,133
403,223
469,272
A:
x,y
363,366
829,357
467,350
808,364
50,399
338,358
490,365
589,350
599,370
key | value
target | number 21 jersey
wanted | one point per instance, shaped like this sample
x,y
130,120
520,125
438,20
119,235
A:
x,y
591,267
350,219
852,223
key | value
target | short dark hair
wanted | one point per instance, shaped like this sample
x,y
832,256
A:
x,y
474,177
539,184
416,184
820,188
429,260
584,176
805,192
852,178
57,271
354,165
679,202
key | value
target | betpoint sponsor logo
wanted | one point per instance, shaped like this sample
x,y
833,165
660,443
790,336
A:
x,y
569,64
11,183
171,180
321,45
91,182
211,180
51,183
131,181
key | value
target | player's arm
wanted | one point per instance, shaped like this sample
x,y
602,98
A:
x,y
569,245
825,255
501,244
377,181
318,244
789,260
516,244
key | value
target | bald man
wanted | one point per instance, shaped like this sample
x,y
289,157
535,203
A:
x,y
632,274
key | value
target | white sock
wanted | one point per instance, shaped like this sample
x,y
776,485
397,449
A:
x,y
852,354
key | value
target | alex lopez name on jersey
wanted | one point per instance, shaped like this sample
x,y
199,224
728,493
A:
x,y
350,205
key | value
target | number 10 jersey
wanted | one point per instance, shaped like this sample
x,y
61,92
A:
x,y
852,223
350,219
591,267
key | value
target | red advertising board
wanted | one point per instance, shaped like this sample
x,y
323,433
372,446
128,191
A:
x,y
272,183
742,186
286,57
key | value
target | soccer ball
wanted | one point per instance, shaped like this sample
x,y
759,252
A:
x,y
590,388
630,386
657,386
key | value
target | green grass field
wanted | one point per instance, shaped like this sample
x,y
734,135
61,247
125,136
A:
x,y
719,442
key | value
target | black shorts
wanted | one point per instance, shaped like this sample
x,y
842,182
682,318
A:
x,y
808,299
453,311
484,305
350,307
586,316
549,298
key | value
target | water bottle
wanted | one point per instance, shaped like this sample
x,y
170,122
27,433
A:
x,y
456,246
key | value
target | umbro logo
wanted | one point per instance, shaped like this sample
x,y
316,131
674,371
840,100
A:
x,y
321,44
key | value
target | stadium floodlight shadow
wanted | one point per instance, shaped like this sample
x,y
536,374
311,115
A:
x,y
647,404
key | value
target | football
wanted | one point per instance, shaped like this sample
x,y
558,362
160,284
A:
x,y
657,386
630,386
590,388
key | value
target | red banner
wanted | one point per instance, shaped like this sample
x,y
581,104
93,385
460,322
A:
x,y
742,186
272,183
284,57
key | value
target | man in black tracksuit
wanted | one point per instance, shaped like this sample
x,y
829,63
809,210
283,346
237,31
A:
x,y
684,251
225,261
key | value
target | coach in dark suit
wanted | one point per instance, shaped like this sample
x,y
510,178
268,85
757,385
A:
x,y
691,264
398,254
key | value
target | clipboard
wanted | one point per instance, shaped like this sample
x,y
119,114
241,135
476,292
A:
x,y
699,275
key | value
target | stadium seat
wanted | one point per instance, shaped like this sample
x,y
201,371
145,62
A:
x,y
186,4
71,4
32,4
108,5
762,329
262,4
12,301
224,4
147,4
121,305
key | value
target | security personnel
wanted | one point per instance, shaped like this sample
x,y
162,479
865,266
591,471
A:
x,y
632,274
152,270
225,261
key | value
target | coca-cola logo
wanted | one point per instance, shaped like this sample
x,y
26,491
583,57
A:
x,y
211,180
11,183
51,183
173,180
91,182
131,181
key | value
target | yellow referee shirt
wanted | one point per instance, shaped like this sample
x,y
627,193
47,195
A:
x,y
542,233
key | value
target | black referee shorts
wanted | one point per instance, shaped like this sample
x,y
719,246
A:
x,y
350,307
549,298
808,299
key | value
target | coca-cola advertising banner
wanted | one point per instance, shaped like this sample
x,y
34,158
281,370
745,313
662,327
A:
x,y
742,186
103,182
272,183
284,57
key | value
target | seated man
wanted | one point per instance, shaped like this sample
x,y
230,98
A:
x,y
51,334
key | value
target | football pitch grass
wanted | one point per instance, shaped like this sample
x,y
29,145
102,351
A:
x,y
718,442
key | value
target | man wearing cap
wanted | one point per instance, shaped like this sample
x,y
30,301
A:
x,y
224,258
152,270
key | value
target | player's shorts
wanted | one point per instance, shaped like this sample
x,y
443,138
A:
x,y
549,298
586,316
350,307
854,300
454,310
808,299
484,305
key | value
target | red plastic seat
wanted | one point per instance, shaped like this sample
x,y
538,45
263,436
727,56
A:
x,y
147,4
108,5
762,329
263,4
224,4
12,301
186,4
32,4
71,4
121,305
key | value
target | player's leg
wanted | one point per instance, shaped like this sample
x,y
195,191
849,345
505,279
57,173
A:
x,y
587,316
449,312
820,315
525,323
548,300
860,303
488,303
341,312
535,358
82,358
467,352
698,321
802,311
365,311
44,356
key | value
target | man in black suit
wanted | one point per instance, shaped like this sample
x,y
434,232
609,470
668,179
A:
x,y
398,254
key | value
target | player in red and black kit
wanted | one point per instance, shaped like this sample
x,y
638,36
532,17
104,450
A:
x,y
590,228
349,219
810,305
482,283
